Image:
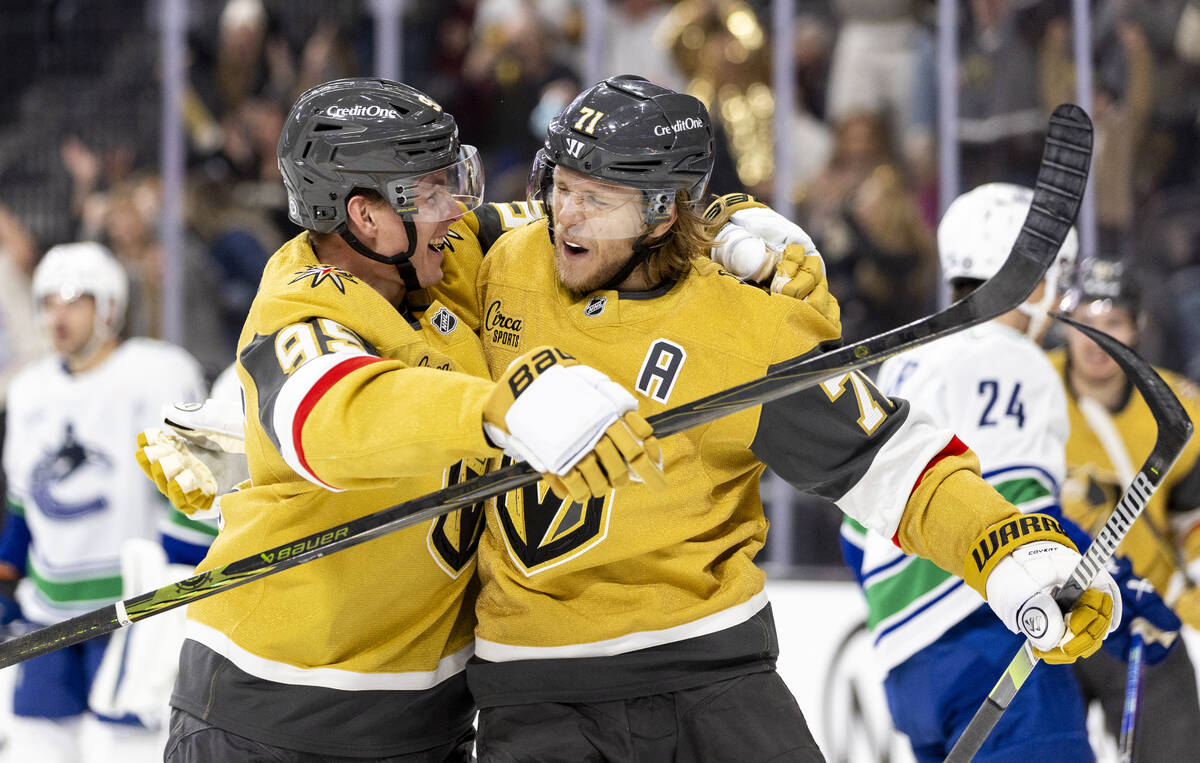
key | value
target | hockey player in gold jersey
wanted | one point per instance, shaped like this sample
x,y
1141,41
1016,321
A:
x,y
636,625
1112,431
354,403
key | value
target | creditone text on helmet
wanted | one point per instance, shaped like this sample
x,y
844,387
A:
x,y
691,123
359,110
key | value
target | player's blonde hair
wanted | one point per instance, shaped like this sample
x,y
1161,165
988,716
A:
x,y
688,237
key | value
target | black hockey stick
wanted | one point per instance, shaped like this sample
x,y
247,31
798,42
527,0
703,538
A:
x,y
1174,430
1057,194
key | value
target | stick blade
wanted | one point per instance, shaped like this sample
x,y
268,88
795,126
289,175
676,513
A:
x,y
1057,198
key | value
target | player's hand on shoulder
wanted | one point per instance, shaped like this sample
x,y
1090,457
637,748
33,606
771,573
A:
x,y
756,243
1018,564
1145,613
198,459
573,424
751,237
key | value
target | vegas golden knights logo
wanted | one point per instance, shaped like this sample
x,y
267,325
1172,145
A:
x,y
542,530
454,537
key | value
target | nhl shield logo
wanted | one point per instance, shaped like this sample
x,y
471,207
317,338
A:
x,y
444,321
595,306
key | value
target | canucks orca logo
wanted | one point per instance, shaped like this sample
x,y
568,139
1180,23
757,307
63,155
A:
x,y
454,537
542,530
65,482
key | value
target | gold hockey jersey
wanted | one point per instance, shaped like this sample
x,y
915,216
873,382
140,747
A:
x,y
351,407
662,586
1171,519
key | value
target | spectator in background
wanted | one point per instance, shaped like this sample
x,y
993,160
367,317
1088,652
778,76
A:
x,y
634,43
516,61
20,340
1121,112
438,39
721,46
876,58
250,59
239,213
879,250
124,214
252,62
810,133
1000,116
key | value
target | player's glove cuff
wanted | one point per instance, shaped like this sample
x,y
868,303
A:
x,y
719,212
1002,538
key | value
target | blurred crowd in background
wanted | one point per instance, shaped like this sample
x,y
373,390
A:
x,y
80,105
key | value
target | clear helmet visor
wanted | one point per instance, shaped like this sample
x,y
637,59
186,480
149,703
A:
x,y
584,209
440,195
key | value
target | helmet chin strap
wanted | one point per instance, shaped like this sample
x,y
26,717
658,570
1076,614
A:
x,y
402,262
642,249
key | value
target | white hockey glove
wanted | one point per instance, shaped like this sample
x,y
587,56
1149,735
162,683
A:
x,y
753,242
756,243
1018,565
200,459
573,424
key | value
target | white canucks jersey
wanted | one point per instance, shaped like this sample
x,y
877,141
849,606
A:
x,y
998,391
72,475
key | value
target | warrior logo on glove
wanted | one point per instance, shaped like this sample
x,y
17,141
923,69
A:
x,y
1034,622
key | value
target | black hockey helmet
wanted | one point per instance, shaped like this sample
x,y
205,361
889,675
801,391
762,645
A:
x,y
370,133
1105,283
629,131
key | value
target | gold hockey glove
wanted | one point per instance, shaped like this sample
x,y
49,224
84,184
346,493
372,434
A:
x,y
200,458
186,481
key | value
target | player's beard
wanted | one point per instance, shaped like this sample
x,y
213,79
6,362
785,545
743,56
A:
x,y
587,274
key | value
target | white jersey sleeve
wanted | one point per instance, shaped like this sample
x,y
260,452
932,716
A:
x,y
999,393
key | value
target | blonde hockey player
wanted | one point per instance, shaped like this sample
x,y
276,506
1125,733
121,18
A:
x,y
76,498
635,625
354,403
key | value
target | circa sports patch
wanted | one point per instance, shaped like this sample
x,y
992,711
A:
x,y
322,273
